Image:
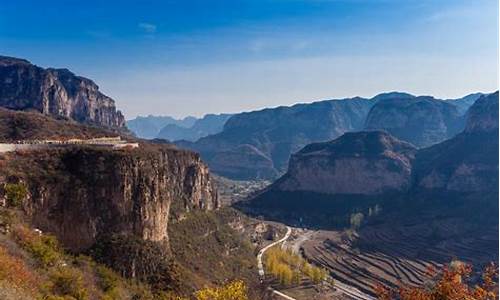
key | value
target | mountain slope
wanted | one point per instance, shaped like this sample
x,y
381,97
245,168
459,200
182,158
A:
x,y
422,121
469,161
55,92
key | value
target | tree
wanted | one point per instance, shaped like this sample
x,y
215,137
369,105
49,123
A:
x,y
235,290
356,220
453,283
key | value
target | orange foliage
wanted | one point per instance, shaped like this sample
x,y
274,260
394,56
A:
x,y
15,271
451,285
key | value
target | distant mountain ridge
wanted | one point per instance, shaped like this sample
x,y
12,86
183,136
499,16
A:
x,y
374,162
269,136
55,92
207,125
422,121
258,144
148,127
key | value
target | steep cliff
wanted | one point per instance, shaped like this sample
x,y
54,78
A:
x,y
469,161
82,193
367,163
422,121
55,92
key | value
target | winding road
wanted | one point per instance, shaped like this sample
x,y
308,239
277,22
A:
x,y
346,289
260,266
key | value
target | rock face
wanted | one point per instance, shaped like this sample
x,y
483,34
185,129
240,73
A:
x,y
55,92
367,163
81,194
209,124
422,121
276,133
467,162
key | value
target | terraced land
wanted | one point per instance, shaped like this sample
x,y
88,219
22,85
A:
x,y
392,254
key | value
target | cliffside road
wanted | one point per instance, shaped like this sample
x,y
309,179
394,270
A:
x,y
106,142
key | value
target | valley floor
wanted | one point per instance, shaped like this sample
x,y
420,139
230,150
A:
x,y
384,254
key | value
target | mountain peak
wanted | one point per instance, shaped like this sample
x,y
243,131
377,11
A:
x,y
392,95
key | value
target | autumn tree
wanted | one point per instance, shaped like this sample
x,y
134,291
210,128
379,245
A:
x,y
452,284
235,290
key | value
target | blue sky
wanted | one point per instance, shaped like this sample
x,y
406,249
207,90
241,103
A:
x,y
195,57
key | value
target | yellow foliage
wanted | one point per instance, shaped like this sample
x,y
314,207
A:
x,y
235,290
289,268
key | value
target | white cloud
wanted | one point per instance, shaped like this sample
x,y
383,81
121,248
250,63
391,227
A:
x,y
147,27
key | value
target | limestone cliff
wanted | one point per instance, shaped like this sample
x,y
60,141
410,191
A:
x,y
365,163
55,92
82,193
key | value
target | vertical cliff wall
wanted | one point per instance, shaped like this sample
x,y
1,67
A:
x,y
55,92
83,193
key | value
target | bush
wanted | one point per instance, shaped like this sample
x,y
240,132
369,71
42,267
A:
x,y
108,281
14,271
44,248
67,282
15,194
135,258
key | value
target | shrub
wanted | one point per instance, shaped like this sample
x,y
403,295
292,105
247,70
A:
x,y
135,258
108,281
67,282
14,271
44,248
15,194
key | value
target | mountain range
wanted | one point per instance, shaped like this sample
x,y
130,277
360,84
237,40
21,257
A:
x,y
258,144
359,169
148,127
171,129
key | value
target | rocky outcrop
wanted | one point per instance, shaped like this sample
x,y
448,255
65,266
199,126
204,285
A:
x,y
82,193
367,163
55,92
467,162
422,121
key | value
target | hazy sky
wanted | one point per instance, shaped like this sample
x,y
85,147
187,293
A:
x,y
194,57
